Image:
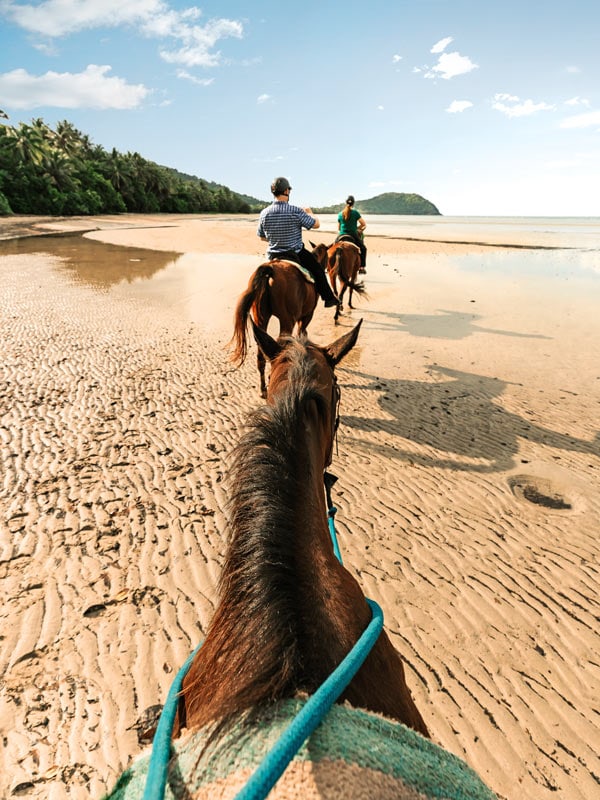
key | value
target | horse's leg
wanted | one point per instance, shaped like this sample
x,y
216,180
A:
x,y
262,321
308,308
260,362
333,279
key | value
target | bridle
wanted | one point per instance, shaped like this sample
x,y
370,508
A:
x,y
336,396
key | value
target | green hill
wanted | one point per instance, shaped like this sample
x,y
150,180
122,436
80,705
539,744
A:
x,y
253,203
388,203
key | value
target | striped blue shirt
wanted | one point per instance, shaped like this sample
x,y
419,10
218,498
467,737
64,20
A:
x,y
281,225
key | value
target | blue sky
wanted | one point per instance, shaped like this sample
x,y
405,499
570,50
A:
x,y
483,108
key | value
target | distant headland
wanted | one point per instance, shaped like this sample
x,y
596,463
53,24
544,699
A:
x,y
388,203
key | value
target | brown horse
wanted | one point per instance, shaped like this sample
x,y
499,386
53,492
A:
x,y
342,261
288,611
276,289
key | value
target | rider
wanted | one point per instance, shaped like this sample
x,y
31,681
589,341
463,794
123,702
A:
x,y
351,224
280,224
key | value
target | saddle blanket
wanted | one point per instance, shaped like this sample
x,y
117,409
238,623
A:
x,y
305,273
352,754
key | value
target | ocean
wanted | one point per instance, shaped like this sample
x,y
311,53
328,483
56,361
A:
x,y
560,232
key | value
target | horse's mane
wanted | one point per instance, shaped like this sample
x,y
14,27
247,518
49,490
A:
x,y
253,651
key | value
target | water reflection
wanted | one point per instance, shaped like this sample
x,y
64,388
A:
x,y
534,263
200,288
93,263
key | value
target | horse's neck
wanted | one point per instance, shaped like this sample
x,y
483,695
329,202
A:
x,y
271,626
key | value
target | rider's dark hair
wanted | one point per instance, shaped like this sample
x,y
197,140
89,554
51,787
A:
x,y
280,186
349,204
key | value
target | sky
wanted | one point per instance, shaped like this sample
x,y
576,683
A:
x,y
483,108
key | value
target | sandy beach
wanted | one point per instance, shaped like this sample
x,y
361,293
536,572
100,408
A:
x,y
468,495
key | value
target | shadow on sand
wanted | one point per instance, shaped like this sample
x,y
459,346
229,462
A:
x,y
442,325
458,417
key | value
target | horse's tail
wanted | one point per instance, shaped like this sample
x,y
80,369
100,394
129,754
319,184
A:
x,y
255,295
358,287
343,274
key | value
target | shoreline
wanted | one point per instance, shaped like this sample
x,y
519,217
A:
x,y
25,226
468,498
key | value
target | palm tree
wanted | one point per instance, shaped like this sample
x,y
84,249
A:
x,y
58,168
67,138
28,143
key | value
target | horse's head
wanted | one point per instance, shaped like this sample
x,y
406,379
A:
x,y
302,369
319,251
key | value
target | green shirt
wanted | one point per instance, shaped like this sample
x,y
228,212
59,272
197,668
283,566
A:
x,y
349,225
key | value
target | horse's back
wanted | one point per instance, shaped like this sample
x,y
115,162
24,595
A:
x,y
352,754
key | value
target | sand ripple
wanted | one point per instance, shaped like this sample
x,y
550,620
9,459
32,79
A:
x,y
116,420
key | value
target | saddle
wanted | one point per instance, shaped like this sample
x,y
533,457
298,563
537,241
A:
x,y
348,240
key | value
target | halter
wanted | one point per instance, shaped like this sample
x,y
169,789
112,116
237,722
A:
x,y
336,396
304,723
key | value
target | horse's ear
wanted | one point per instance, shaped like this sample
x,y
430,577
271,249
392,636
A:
x,y
342,346
312,244
268,346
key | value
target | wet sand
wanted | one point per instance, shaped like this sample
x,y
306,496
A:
x,y
468,493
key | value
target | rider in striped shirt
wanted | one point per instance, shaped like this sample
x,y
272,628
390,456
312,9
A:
x,y
281,224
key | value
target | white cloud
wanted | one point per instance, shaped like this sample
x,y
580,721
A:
x,y
573,70
450,65
396,58
441,45
380,108
60,17
198,42
518,108
268,160
181,73
588,120
578,101
46,49
458,106
92,88
263,98
152,18
565,164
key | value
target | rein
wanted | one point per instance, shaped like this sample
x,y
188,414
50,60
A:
x,y
304,723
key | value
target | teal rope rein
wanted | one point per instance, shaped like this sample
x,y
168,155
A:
x,y
304,723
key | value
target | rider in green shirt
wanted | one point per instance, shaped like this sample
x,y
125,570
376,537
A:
x,y
352,225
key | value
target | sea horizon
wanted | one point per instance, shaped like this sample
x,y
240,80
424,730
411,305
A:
x,y
517,231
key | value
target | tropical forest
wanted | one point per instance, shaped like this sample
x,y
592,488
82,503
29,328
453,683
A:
x,y
61,172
